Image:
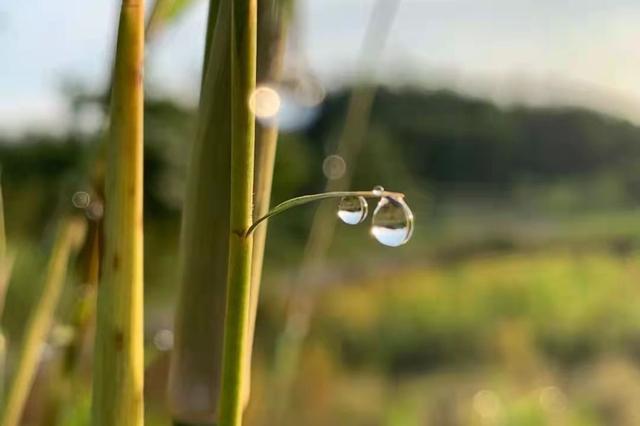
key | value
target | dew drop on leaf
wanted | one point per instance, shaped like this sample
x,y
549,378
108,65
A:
x,y
392,223
352,210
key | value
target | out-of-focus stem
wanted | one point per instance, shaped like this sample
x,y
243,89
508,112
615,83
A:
x,y
65,387
6,266
243,82
324,220
69,237
118,360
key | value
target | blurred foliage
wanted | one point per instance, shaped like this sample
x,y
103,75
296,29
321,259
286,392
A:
x,y
439,141
514,305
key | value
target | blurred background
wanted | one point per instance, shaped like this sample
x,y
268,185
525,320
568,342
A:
x,y
512,127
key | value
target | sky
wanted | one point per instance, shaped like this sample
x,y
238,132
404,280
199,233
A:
x,y
537,52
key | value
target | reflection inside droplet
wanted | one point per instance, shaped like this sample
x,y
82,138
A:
x,y
334,167
81,199
392,223
353,210
264,102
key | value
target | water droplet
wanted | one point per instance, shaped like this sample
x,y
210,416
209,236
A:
x,y
334,167
264,102
353,210
81,199
392,223
378,190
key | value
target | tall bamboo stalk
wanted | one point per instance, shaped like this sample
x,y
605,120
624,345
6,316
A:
x,y
69,237
196,360
243,82
118,361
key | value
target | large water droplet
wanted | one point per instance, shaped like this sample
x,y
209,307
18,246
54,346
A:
x,y
392,223
353,210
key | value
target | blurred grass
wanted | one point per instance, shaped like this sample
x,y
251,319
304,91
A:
x,y
571,305
505,340
511,306
544,333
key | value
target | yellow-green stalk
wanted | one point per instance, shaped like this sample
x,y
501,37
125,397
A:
x,y
69,237
196,359
67,388
118,360
6,266
243,81
272,24
163,12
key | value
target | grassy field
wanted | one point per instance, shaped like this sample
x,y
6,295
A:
x,y
546,338
494,318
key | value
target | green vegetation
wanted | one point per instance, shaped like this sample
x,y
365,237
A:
x,y
515,304
41,319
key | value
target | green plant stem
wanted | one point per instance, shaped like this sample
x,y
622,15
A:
x,y
6,267
273,16
305,199
243,66
162,12
67,386
67,240
3,233
118,360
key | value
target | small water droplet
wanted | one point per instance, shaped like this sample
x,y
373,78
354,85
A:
x,y
353,210
378,190
392,223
